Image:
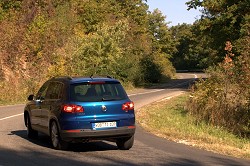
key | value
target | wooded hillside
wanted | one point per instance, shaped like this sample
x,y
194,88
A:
x,y
46,38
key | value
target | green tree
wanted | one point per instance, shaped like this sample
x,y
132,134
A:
x,y
100,52
186,56
221,20
223,99
162,48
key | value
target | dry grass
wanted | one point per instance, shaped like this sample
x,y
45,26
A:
x,y
168,119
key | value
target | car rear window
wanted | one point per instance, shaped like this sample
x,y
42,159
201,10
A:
x,y
97,91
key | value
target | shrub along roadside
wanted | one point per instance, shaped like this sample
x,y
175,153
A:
x,y
170,120
224,98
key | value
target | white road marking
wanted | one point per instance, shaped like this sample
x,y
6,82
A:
x,y
11,116
170,97
195,76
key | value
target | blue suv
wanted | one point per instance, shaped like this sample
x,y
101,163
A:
x,y
80,109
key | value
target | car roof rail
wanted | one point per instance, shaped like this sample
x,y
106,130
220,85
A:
x,y
107,76
62,77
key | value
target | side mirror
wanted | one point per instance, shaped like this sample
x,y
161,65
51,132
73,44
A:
x,y
31,97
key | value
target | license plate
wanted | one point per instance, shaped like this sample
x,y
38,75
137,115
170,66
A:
x,y
104,125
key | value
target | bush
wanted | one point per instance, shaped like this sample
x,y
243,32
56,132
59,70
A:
x,y
224,98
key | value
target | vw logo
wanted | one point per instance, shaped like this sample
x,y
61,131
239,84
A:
x,y
104,108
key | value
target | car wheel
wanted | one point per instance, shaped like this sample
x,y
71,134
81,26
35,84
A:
x,y
125,143
56,141
30,132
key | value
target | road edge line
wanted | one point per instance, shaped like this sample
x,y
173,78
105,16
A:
x,y
11,116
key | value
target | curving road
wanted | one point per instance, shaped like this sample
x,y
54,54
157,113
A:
x,y
17,149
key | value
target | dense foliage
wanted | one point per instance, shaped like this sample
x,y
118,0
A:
x,y
224,98
42,39
202,44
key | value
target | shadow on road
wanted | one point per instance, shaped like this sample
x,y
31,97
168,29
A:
x,y
181,84
44,141
31,157
99,153
175,84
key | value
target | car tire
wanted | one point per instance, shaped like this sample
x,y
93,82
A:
x,y
125,143
30,132
56,140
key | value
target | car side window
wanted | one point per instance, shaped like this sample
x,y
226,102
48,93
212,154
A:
x,y
42,92
54,91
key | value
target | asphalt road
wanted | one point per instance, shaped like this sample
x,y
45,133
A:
x,y
17,149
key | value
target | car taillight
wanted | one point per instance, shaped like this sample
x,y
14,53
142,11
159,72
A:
x,y
73,108
128,106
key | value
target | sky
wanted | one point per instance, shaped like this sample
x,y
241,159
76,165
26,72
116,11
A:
x,y
175,11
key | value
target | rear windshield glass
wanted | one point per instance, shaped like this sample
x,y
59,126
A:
x,y
105,91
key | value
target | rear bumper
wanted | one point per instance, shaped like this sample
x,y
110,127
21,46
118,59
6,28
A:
x,y
87,134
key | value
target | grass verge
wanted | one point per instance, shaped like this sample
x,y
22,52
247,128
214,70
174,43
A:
x,y
168,119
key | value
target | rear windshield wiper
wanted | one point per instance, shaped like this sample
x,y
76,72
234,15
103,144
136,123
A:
x,y
108,99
